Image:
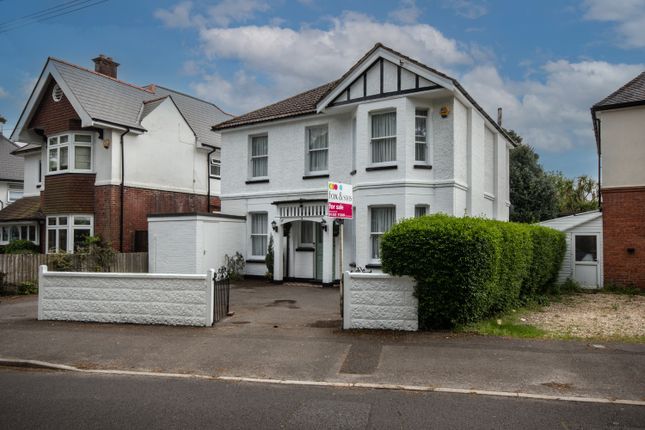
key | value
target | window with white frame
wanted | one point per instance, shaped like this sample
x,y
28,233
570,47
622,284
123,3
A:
x,y
381,220
69,152
9,233
383,140
14,193
259,229
67,233
307,232
420,210
215,168
317,148
259,156
421,135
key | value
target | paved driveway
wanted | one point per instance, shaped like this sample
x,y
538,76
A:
x,y
286,305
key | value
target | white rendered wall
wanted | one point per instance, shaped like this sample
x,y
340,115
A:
x,y
4,188
379,301
31,179
192,244
137,298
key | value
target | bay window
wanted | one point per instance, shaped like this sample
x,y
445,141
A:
x,y
10,233
67,233
259,229
317,148
259,156
381,220
69,152
421,135
383,140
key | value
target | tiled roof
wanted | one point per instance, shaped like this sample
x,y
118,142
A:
x,y
300,104
632,92
306,102
11,167
24,209
114,101
27,148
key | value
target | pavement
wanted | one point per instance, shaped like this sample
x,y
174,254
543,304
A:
x,y
39,399
293,332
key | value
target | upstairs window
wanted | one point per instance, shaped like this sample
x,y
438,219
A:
x,y
383,141
421,135
14,193
215,168
69,152
259,156
317,148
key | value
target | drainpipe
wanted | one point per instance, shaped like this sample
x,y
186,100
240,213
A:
x,y
599,166
122,197
208,175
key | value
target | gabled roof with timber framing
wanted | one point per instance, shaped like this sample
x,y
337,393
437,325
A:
x,y
381,72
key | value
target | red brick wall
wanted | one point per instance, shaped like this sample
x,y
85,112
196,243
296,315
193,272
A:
x,y
138,204
623,228
68,193
55,117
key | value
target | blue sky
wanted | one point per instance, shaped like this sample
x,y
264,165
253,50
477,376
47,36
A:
x,y
545,62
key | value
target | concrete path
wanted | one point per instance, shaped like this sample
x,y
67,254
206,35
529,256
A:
x,y
293,332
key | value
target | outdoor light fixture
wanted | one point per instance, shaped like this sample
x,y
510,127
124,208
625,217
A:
x,y
323,224
274,226
445,110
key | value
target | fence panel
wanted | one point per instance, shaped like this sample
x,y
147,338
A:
x,y
18,268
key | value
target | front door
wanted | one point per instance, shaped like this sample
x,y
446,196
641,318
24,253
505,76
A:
x,y
318,245
586,270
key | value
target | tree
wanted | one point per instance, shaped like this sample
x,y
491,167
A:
x,y
575,195
533,193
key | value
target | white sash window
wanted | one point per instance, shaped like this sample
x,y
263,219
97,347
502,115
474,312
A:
x,y
259,228
383,141
381,220
317,148
259,156
421,135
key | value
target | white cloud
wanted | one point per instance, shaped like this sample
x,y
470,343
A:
x,y
629,16
228,11
407,12
3,93
471,9
177,17
553,113
238,95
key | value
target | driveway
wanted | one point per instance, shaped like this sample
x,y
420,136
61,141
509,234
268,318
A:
x,y
288,305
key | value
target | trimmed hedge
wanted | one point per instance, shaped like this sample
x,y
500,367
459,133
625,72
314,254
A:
x,y
469,268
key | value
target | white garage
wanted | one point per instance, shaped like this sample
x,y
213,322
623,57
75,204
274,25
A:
x,y
583,259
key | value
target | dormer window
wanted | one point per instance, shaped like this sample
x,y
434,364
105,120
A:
x,y
57,93
69,152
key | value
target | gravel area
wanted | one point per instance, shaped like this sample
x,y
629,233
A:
x,y
592,315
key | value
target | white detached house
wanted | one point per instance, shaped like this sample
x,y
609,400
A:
x,y
408,138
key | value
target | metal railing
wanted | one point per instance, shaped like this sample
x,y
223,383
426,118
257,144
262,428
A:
x,y
221,294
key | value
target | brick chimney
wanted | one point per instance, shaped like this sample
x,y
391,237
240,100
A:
x,y
105,66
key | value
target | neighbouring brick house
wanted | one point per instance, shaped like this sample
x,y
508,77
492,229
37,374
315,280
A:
x,y
619,124
113,153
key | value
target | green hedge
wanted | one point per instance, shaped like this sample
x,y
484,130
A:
x,y
21,247
469,268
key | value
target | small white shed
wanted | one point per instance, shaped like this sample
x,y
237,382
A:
x,y
583,261
193,242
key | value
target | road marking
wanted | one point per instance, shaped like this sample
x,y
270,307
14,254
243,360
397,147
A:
x,y
367,385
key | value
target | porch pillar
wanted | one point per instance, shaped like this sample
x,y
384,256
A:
x,y
278,258
328,254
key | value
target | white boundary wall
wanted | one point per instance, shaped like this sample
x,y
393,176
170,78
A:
x,y
138,298
379,301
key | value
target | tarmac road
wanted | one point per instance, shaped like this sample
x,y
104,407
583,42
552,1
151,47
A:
x,y
45,399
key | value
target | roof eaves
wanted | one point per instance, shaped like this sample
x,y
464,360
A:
x,y
231,124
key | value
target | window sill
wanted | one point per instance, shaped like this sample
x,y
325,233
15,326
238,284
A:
x,y
316,176
373,266
305,249
75,171
216,177
257,181
255,260
423,166
489,196
385,167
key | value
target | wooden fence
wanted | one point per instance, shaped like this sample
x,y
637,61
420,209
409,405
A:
x,y
18,268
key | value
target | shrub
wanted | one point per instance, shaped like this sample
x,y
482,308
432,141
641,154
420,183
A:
x,y
98,253
469,268
21,247
234,266
61,262
27,287
549,247
268,260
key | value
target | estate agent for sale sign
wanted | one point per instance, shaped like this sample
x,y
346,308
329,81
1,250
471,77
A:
x,y
340,200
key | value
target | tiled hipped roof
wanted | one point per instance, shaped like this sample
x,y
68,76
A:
x,y
633,92
24,209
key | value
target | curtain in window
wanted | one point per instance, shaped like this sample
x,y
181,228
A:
x,y
382,220
259,156
420,133
83,157
384,137
420,210
318,141
259,234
